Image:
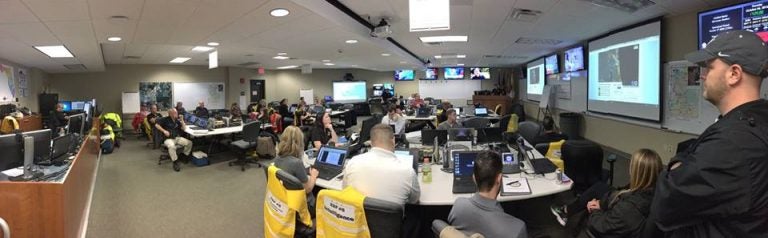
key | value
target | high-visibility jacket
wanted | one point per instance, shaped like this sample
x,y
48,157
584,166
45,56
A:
x,y
281,207
341,214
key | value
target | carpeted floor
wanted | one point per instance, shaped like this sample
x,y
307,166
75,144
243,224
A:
x,y
134,197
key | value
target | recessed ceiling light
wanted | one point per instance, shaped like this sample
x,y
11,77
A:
x,y
282,53
351,41
288,67
114,38
459,64
438,56
202,48
213,43
385,54
326,61
280,57
433,39
179,60
55,51
461,56
329,64
279,12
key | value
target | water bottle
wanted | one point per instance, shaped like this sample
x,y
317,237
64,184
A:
x,y
426,172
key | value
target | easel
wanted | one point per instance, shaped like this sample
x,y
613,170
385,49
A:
x,y
546,101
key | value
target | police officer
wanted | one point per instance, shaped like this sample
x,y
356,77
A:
x,y
718,187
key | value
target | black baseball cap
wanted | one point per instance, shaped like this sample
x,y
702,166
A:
x,y
735,47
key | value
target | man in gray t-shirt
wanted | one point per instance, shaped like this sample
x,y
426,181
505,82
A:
x,y
482,213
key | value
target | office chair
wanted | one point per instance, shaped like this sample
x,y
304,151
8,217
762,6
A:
x,y
477,123
553,152
529,130
376,107
251,132
149,131
497,110
583,162
4,228
518,109
385,219
290,182
504,122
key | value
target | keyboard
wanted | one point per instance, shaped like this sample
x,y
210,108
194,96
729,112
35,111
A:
x,y
326,173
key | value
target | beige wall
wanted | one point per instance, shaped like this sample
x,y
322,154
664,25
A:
x,y
37,82
107,86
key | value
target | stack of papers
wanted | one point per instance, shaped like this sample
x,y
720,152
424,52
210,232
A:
x,y
514,186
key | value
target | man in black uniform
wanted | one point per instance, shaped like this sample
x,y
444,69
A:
x,y
718,187
170,128
153,115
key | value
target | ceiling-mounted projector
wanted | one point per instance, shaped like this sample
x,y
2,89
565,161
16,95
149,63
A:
x,y
382,30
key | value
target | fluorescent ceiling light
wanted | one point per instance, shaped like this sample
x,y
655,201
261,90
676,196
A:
x,y
385,54
326,61
461,56
114,38
329,64
288,67
282,53
202,48
429,15
280,57
213,60
179,60
279,12
459,64
213,43
434,39
55,51
351,41
438,56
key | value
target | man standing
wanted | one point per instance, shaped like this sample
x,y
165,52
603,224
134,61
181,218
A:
x,y
481,213
171,128
201,111
718,187
396,181
450,121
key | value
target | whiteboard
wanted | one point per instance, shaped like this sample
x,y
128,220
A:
x,y
449,89
578,91
131,102
308,94
191,93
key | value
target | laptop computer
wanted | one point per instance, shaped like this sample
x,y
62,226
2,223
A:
x,y
509,164
463,166
330,162
423,112
481,112
408,159
540,165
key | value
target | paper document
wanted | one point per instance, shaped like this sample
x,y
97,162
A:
x,y
14,172
511,186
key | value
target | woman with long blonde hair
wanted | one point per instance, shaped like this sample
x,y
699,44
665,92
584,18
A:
x,y
619,213
290,151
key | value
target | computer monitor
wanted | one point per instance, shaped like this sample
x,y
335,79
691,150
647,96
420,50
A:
x,y
42,140
76,123
461,134
78,105
66,105
490,135
61,146
428,137
12,152
328,99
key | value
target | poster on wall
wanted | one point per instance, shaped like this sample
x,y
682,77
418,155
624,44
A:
x,y
159,93
23,79
7,86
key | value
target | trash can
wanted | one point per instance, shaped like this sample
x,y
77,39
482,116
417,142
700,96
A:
x,y
570,124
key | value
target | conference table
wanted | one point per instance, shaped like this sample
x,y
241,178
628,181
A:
x,y
428,119
198,132
439,191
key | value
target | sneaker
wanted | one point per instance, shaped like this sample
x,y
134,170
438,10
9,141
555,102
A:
x,y
176,166
559,212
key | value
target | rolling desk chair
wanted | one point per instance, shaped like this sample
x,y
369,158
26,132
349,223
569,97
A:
x,y
529,130
159,141
251,132
583,161
291,183
385,219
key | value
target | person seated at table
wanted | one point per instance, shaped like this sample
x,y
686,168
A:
x,y
395,118
171,127
235,111
180,108
441,117
289,158
153,115
416,102
301,114
201,111
481,213
285,112
59,120
395,181
550,134
616,213
450,120
322,132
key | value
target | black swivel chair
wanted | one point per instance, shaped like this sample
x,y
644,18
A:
x,y
385,219
529,130
583,161
251,132
159,141
504,122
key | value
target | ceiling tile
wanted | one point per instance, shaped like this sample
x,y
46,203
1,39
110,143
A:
x,y
14,11
59,10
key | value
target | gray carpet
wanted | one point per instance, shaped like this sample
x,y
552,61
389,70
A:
x,y
134,197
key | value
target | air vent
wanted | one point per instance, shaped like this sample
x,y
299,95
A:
x,y
248,64
629,6
537,41
524,15
131,57
75,66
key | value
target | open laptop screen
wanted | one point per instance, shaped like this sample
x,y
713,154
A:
x,y
481,111
331,156
464,163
